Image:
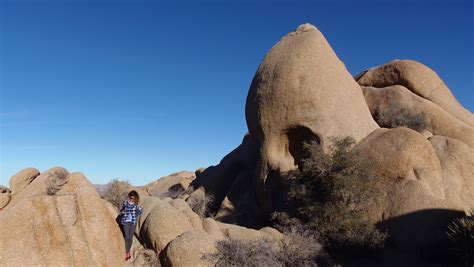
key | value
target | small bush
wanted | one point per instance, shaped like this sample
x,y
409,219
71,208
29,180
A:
x,y
328,191
395,117
116,192
150,258
54,183
173,192
461,232
298,248
233,252
202,205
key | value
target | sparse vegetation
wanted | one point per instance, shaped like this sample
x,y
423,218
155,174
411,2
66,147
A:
x,y
262,252
202,205
461,232
150,258
116,192
54,183
298,248
327,192
173,192
395,117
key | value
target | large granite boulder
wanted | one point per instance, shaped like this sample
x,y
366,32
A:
x,y
301,92
420,80
171,185
23,178
421,187
68,228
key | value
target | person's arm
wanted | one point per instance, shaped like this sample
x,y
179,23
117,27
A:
x,y
122,208
139,210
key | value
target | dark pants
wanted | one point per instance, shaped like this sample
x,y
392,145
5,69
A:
x,y
128,230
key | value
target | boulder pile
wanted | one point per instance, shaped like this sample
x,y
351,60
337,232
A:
x,y
405,120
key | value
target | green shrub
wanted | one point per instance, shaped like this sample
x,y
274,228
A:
x,y
328,191
116,192
461,232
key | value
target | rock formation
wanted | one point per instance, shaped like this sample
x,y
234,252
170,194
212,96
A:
x,y
420,80
72,227
23,178
230,183
59,219
302,92
171,185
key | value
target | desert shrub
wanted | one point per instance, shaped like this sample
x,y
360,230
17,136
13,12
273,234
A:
x,y
173,192
395,117
150,258
231,252
146,258
202,205
116,191
461,233
298,248
327,192
54,183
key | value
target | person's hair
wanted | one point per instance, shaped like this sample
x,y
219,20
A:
x,y
134,193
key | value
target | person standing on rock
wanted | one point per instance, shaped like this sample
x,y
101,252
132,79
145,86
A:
x,y
130,211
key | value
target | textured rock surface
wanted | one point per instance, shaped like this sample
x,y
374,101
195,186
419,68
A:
x,y
4,199
163,223
23,178
419,79
302,89
70,228
419,195
301,92
38,186
189,248
173,230
170,185
408,161
397,103
230,181
457,164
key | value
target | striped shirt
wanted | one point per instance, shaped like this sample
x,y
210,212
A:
x,y
130,213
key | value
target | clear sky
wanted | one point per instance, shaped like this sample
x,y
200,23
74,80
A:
x,y
140,89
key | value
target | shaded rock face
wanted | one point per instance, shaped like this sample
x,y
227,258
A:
x,y
229,186
72,227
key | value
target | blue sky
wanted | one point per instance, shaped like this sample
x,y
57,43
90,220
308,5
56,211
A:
x,y
140,89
